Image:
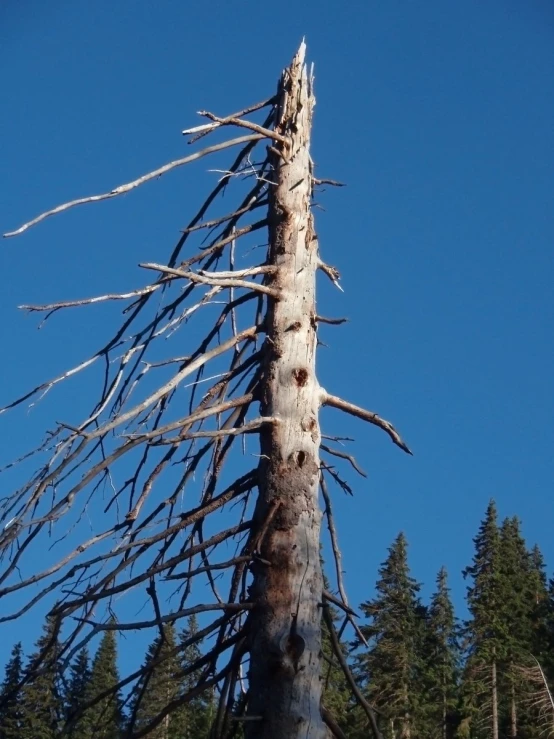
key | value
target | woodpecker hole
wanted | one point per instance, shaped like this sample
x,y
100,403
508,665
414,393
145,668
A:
x,y
296,326
300,458
300,376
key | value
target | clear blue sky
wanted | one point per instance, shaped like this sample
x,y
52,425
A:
x,y
439,116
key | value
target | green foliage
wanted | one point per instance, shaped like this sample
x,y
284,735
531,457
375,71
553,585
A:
x,y
198,713
414,673
104,719
76,697
11,695
160,686
441,658
391,669
41,705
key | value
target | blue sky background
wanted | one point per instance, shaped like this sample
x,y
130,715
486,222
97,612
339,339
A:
x,y
439,117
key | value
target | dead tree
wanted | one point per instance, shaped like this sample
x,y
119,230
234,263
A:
x,y
261,346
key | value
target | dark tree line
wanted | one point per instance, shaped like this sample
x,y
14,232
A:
x,y
52,705
422,671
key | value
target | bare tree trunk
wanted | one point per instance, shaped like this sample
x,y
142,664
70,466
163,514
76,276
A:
x,y
285,647
513,709
444,710
494,700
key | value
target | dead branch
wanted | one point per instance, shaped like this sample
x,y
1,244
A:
x,y
334,402
265,132
349,457
339,603
332,321
208,127
122,189
348,674
329,719
221,282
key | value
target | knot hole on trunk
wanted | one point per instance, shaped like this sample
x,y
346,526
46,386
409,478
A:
x,y
300,458
300,375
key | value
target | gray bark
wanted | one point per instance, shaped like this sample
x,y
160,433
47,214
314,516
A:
x,y
285,649
494,700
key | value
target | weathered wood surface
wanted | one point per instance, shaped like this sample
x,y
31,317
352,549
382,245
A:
x,y
284,679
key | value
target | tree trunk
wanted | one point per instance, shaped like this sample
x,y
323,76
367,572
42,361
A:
x,y
513,709
444,707
285,648
494,700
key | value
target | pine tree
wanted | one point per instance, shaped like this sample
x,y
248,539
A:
x,y
485,631
198,713
441,663
42,705
392,667
76,697
516,611
105,717
10,696
536,651
160,686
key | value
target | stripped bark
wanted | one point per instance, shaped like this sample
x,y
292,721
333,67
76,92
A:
x,y
285,643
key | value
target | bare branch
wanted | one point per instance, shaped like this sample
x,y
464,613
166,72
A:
x,y
339,603
265,132
208,127
169,619
91,301
348,674
195,277
343,455
122,189
332,321
342,405
332,273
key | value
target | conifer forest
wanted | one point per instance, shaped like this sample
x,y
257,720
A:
x,y
425,671
191,473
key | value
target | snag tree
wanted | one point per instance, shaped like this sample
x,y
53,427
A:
x,y
256,363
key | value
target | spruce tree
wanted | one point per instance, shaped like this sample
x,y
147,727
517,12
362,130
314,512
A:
x,y
10,696
76,696
517,606
485,635
160,686
42,705
105,717
198,713
441,663
391,669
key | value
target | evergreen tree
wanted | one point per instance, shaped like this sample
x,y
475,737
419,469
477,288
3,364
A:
x,y
10,696
104,719
441,663
76,697
160,685
391,669
42,705
518,606
198,713
485,634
